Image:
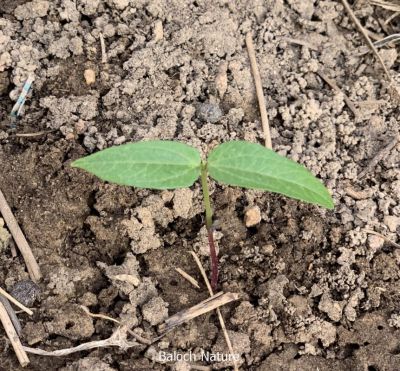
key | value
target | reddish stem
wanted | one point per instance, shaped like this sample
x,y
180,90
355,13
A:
x,y
214,260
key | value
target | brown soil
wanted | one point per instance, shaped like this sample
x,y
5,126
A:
x,y
316,291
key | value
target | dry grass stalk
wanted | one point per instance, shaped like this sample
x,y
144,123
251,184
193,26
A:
x,y
383,237
333,86
203,307
32,135
367,39
107,318
220,318
188,277
259,90
104,57
379,156
13,337
393,16
117,339
358,195
301,43
386,5
20,240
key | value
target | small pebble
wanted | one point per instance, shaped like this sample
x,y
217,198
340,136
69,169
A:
x,y
80,127
90,76
267,249
158,31
209,112
392,222
252,216
26,292
70,136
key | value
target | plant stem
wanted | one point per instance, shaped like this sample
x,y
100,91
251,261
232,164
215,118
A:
x,y
206,195
209,214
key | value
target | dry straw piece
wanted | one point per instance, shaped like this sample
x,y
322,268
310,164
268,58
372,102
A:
x,y
188,277
20,240
203,307
259,90
386,5
367,39
220,318
13,336
117,339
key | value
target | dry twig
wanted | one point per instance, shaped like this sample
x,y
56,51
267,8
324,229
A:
x,y
389,241
393,16
333,86
259,90
188,277
387,40
220,318
19,238
358,195
31,135
117,339
13,336
104,57
386,5
379,156
103,316
203,307
367,39
301,43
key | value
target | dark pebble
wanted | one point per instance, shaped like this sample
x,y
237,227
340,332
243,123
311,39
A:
x,y
209,112
26,292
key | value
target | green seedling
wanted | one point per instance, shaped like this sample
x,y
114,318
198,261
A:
x,y
170,165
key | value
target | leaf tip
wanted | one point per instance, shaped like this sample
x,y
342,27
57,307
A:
x,y
77,163
328,203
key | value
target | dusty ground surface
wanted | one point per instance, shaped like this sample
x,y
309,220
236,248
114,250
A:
x,y
316,291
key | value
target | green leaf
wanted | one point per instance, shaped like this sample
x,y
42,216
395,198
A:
x,y
250,165
153,164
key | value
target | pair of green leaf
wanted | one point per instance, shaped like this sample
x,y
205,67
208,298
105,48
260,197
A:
x,y
168,165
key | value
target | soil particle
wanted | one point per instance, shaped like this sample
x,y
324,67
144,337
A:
x,y
4,237
72,322
155,311
33,9
240,345
332,308
252,216
142,231
34,333
125,277
143,293
88,364
392,222
183,201
90,76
